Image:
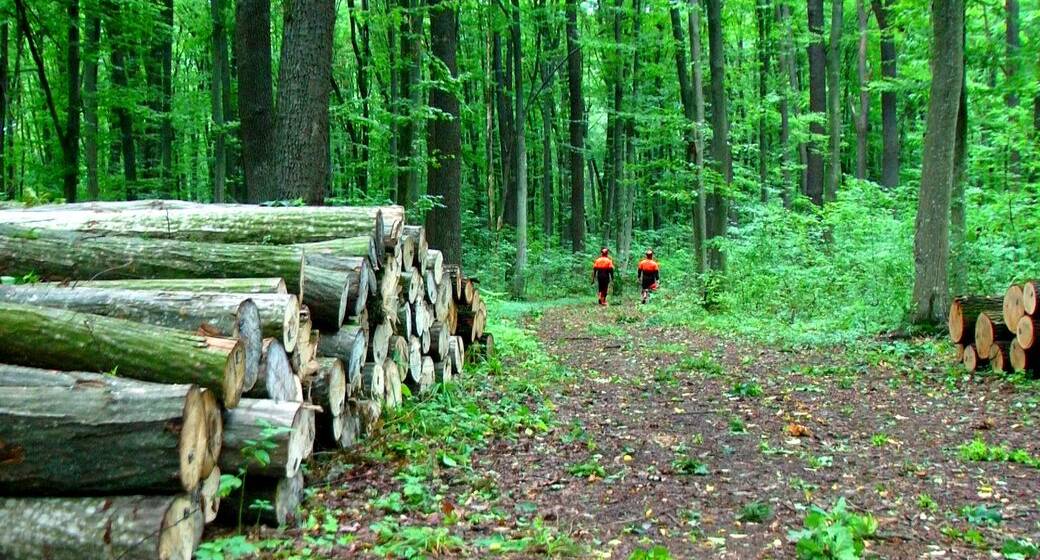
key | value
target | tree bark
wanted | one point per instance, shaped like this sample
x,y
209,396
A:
x,y
222,285
95,438
889,108
1011,64
363,57
110,528
958,256
761,9
216,82
688,98
444,170
91,52
256,98
718,207
408,109
700,217
56,338
519,273
931,240
252,421
506,131
304,84
349,344
834,100
814,180
789,104
576,127
862,117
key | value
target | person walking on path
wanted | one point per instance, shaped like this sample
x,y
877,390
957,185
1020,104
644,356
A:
x,y
648,273
603,274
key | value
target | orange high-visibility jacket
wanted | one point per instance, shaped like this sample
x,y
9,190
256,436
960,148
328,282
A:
x,y
648,271
603,263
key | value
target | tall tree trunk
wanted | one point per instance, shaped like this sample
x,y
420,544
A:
x,y
958,257
547,154
576,126
6,188
630,181
700,219
687,94
489,133
617,155
394,102
814,185
128,151
519,268
444,223
834,100
256,98
889,109
216,84
166,100
363,56
90,100
408,175
788,101
718,207
931,240
304,84
1013,45
862,117
763,76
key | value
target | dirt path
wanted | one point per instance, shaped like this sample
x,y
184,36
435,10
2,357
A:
x,y
667,437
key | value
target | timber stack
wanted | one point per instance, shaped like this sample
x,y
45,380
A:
x,y
181,340
998,332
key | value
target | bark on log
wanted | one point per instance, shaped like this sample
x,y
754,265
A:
x,y
439,342
1023,360
412,285
392,384
427,380
399,354
1030,297
151,438
990,329
454,273
964,312
487,345
340,248
435,262
106,528
57,338
414,361
1012,305
212,223
275,379
417,237
328,389
351,425
373,381
349,344
442,302
287,425
442,372
358,270
326,293
432,284
222,285
404,319
1000,356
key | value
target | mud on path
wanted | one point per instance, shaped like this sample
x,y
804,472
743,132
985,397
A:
x,y
666,437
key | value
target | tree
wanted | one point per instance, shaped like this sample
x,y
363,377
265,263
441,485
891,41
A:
x,y
834,99
700,213
363,57
576,128
91,51
761,48
444,223
256,98
216,85
718,209
789,104
686,96
931,238
408,104
862,115
519,268
814,185
889,110
1013,46
304,84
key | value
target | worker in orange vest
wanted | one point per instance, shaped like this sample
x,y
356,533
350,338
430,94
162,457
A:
x,y
603,274
649,274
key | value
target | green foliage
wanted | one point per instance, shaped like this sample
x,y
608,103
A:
x,y
979,450
755,512
690,466
982,515
654,553
413,541
1020,549
587,469
836,534
746,389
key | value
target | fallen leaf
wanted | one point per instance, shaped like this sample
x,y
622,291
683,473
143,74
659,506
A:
x,y
798,430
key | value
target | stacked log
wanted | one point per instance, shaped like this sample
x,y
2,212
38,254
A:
x,y
998,331
202,340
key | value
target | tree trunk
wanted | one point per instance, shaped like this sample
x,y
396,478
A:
x,y
349,344
222,285
363,57
688,98
91,52
165,52
718,208
110,528
57,338
444,223
1011,63
576,127
814,182
863,115
252,421
304,84
931,240
155,433
763,73
958,256
327,388
216,82
519,272
547,110
506,131
789,102
256,98
889,108
700,217
834,100
411,32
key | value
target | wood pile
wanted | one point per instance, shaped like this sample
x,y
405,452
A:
x,y
168,342
998,332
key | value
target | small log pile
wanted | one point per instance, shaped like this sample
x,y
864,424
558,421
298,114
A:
x,y
998,332
168,342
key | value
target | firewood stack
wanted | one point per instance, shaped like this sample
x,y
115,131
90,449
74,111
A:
x,y
998,332
165,339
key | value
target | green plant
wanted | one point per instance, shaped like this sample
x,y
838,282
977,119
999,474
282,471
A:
x,y
657,552
880,439
835,534
982,515
969,536
755,512
1019,549
690,466
586,469
746,389
979,450
927,503
737,426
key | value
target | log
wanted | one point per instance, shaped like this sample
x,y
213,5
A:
x,y
108,528
268,225
1025,331
454,273
283,497
360,246
369,412
972,360
328,389
392,384
275,379
457,349
427,341
56,338
412,285
223,285
101,438
964,313
399,354
1030,297
404,319
414,361
1000,356
439,342
432,285
442,301
209,496
420,321
373,381
469,291
249,318
417,238
435,262
379,344
1012,305
428,372
326,294
487,345
358,270
213,418
959,353
289,426
990,329
442,372
452,320
1023,360
351,425
349,344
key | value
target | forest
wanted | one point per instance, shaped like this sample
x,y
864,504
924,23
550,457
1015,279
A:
x,y
842,197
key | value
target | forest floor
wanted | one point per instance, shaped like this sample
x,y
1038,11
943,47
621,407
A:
x,y
646,439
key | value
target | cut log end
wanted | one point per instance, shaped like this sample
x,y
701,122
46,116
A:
x,y
181,527
291,320
1025,332
194,441
971,358
1030,296
209,496
214,424
234,375
1012,307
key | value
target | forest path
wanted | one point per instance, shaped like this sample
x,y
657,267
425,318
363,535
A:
x,y
669,437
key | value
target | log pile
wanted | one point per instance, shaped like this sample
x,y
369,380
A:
x,y
169,342
998,332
